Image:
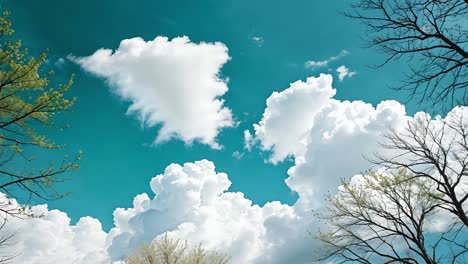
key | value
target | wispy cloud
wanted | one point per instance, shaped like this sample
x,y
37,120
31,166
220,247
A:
x,y
344,72
258,41
249,140
237,154
60,62
317,64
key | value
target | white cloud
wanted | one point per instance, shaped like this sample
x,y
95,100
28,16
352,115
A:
x,y
289,115
50,238
326,137
342,134
192,203
344,72
249,140
175,83
317,64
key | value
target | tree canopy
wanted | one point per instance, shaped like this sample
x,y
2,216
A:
x,y
174,251
29,106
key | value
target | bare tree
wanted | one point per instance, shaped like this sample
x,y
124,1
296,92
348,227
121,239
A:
x,y
7,242
389,216
436,151
380,218
431,33
174,251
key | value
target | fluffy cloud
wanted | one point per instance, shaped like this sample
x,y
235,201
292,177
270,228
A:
x,y
175,83
319,132
343,134
192,203
50,238
344,72
327,137
290,115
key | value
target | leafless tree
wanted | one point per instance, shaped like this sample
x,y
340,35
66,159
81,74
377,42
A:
x,y
437,151
9,208
7,241
381,218
432,34
388,216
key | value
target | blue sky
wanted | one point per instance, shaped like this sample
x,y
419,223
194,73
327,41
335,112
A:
x,y
116,158
269,43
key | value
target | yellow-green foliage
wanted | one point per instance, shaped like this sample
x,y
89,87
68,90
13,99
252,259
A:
x,y
27,105
171,251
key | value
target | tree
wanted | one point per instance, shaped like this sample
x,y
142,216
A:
x,y
170,251
436,151
381,218
431,33
414,209
28,106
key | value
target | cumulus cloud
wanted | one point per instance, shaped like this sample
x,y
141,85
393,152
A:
x,y
289,115
305,122
343,134
192,203
344,72
311,64
48,237
327,138
175,83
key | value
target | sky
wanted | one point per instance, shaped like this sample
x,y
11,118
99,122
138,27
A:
x,y
187,82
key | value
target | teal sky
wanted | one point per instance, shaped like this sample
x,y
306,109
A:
x,y
118,161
